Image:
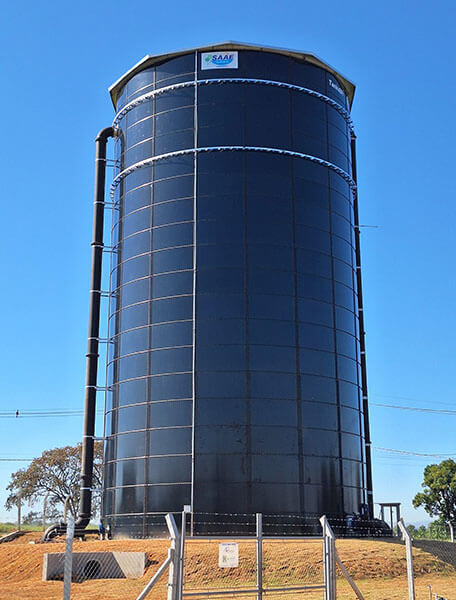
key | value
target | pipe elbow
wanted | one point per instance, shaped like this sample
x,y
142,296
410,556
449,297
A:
x,y
81,522
54,530
106,133
60,528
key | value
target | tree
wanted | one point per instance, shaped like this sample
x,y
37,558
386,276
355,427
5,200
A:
x,y
56,471
31,518
439,496
438,530
36,517
417,533
435,530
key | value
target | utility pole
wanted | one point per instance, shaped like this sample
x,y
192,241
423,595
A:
x,y
44,510
19,505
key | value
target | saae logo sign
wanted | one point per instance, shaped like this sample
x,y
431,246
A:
x,y
219,60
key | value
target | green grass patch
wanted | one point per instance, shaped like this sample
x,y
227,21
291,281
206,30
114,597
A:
x,y
7,528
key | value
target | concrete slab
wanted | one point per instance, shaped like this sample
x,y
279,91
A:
x,y
96,565
9,537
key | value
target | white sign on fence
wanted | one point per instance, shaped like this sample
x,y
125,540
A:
x,y
228,554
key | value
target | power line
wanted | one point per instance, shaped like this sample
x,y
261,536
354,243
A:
x,y
409,399
438,411
42,413
42,410
409,453
402,453
78,412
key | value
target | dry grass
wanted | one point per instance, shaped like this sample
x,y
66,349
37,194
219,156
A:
x,y
378,567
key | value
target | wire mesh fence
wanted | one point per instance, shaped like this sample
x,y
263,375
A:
x,y
284,558
444,551
103,569
443,557
211,565
293,563
268,561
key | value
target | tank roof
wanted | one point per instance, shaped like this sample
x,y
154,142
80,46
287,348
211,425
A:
x,y
149,60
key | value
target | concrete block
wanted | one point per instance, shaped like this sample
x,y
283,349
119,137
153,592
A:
x,y
96,565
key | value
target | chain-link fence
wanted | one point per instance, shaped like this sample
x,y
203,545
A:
x,y
234,561
264,563
92,568
442,586
444,551
270,556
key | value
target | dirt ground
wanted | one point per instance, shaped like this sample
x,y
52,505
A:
x,y
379,569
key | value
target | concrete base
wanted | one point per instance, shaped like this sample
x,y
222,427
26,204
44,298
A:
x,y
96,565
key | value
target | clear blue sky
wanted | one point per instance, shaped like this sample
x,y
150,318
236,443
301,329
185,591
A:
x,y
57,61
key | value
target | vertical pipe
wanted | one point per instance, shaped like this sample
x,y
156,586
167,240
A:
x,y
362,341
259,555
85,501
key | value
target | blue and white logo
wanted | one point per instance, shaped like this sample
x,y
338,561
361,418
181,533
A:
x,y
219,60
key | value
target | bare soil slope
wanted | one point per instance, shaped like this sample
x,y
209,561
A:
x,y
378,567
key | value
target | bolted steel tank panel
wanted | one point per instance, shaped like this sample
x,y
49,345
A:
x,y
236,368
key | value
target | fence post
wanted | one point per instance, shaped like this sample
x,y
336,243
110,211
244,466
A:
x,y
174,558
180,572
329,559
409,555
65,508
169,563
259,555
68,560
